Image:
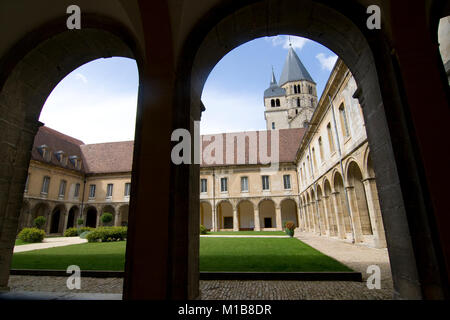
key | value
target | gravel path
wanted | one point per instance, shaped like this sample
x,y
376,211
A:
x,y
355,256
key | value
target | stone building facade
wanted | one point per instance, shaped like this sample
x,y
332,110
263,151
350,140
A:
x,y
68,179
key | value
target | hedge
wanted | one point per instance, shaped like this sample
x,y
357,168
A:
x,y
31,235
106,234
75,232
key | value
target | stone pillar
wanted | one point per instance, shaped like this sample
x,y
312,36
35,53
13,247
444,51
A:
x,y
117,219
339,215
315,218
354,214
257,222
235,219
324,228
65,219
278,217
299,217
374,213
97,224
328,214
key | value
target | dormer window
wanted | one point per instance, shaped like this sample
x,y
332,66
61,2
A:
x,y
45,152
61,156
76,161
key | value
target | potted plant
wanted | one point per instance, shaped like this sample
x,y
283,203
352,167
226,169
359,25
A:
x,y
289,228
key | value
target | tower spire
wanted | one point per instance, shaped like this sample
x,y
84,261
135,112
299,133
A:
x,y
273,81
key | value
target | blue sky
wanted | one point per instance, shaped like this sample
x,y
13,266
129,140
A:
x,y
97,102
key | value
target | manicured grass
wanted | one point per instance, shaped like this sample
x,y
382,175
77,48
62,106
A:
x,y
89,256
263,254
249,233
216,254
20,242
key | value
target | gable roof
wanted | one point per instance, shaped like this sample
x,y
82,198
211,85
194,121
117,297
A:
x,y
293,69
56,141
108,157
288,143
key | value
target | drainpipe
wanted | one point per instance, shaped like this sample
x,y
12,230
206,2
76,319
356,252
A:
x,y
347,201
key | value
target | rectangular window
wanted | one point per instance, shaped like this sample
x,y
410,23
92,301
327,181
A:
x,y
287,181
223,184
109,190
320,149
62,188
77,191
45,185
92,191
244,184
265,183
203,185
127,189
273,125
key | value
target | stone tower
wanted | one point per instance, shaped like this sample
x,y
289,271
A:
x,y
291,103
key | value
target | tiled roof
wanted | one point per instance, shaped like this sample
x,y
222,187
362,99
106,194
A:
x,y
108,157
289,142
56,141
294,69
118,156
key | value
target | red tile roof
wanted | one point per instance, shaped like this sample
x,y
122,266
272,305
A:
x,y
118,156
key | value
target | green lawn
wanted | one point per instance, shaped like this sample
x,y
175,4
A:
x,y
263,254
20,242
249,233
216,254
89,256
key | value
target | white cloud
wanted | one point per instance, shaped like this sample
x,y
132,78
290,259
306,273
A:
x,y
327,63
231,112
80,76
286,41
91,117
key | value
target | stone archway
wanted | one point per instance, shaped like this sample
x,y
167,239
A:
x,y
91,217
225,215
122,215
72,217
328,205
267,215
341,206
358,200
56,225
206,218
25,216
246,215
108,209
41,209
289,212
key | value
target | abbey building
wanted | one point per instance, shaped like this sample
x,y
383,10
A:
x,y
324,181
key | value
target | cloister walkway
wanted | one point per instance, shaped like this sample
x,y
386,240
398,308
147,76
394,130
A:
x,y
50,243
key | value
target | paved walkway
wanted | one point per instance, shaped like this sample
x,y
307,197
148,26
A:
x,y
240,236
355,256
50,243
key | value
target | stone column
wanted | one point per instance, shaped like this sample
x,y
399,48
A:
x,y
354,214
99,213
117,219
278,217
323,219
328,214
256,217
315,217
235,219
338,214
374,213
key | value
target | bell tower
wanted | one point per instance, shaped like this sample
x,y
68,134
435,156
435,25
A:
x,y
291,102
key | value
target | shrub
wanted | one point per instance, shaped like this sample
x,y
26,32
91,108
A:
x,y
31,235
106,217
71,232
203,229
80,221
84,234
84,229
39,222
105,234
